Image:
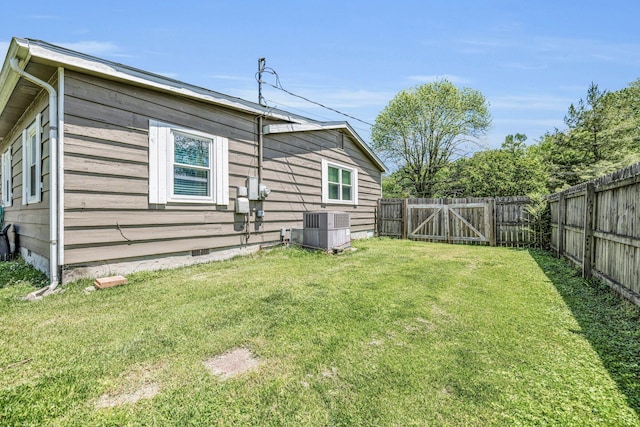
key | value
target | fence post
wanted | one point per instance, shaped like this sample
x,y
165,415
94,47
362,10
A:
x,y
561,220
405,218
588,248
492,221
376,215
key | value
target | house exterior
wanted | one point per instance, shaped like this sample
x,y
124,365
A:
x,y
107,169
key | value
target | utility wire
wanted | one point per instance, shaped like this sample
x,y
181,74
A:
x,y
278,86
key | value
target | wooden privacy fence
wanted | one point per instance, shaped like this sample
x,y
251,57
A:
x,y
597,226
502,221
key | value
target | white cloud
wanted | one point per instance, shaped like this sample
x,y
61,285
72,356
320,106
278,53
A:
x,y
483,46
229,77
524,66
433,78
530,102
558,49
545,123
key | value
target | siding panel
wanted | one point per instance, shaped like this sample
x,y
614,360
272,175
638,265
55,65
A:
x,y
108,215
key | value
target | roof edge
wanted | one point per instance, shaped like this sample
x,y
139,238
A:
x,y
28,49
18,48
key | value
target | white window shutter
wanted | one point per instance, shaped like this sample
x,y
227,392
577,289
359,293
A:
x,y
325,181
38,158
7,179
10,170
354,184
25,170
153,162
222,171
165,139
158,137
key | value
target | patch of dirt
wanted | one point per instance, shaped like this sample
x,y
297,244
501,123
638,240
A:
x,y
231,363
137,384
427,324
330,373
147,391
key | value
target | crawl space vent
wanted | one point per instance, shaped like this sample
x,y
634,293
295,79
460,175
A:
x,y
199,252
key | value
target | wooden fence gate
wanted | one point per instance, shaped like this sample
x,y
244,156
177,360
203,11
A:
x,y
502,221
456,222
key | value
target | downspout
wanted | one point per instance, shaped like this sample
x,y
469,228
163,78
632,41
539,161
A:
x,y
53,176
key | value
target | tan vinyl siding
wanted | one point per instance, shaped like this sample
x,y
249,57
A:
x,y
107,212
31,221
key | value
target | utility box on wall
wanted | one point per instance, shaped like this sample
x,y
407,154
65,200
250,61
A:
x,y
327,230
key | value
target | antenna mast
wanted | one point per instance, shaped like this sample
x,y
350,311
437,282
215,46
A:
x,y
262,63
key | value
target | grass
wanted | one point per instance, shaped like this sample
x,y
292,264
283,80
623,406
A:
x,y
396,333
18,271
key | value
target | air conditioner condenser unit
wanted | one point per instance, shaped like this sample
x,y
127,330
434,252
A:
x,y
327,230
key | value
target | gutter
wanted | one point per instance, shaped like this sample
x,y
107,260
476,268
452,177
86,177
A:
x,y
53,177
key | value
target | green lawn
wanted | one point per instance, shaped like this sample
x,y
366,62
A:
x,y
395,333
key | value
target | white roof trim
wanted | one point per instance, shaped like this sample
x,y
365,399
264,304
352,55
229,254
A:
x,y
8,78
298,127
26,49
75,60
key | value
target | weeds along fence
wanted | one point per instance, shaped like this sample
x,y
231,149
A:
x,y
500,221
597,226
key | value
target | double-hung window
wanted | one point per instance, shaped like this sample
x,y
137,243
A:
x,y
339,183
187,166
32,163
7,178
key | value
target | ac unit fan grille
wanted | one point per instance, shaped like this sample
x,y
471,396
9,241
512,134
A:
x,y
312,220
341,221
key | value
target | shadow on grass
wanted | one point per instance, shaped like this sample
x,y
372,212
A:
x,y
608,322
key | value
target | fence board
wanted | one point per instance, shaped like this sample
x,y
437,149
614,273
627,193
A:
x,y
597,226
502,221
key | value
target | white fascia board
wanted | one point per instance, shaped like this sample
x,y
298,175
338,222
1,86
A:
x,y
59,56
8,78
92,65
298,127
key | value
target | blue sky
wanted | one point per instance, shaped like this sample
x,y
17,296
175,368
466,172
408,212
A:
x,y
530,59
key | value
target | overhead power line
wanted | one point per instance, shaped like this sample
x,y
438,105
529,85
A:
x,y
261,100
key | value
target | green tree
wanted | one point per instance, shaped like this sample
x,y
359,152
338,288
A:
x,y
602,135
396,186
422,130
587,123
512,170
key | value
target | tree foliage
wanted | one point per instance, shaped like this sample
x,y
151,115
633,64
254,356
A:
x,y
512,170
422,129
602,135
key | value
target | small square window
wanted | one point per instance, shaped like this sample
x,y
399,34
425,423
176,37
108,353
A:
x,y
339,184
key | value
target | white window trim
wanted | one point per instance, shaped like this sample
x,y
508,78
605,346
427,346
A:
x,y
325,184
27,156
161,166
7,178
